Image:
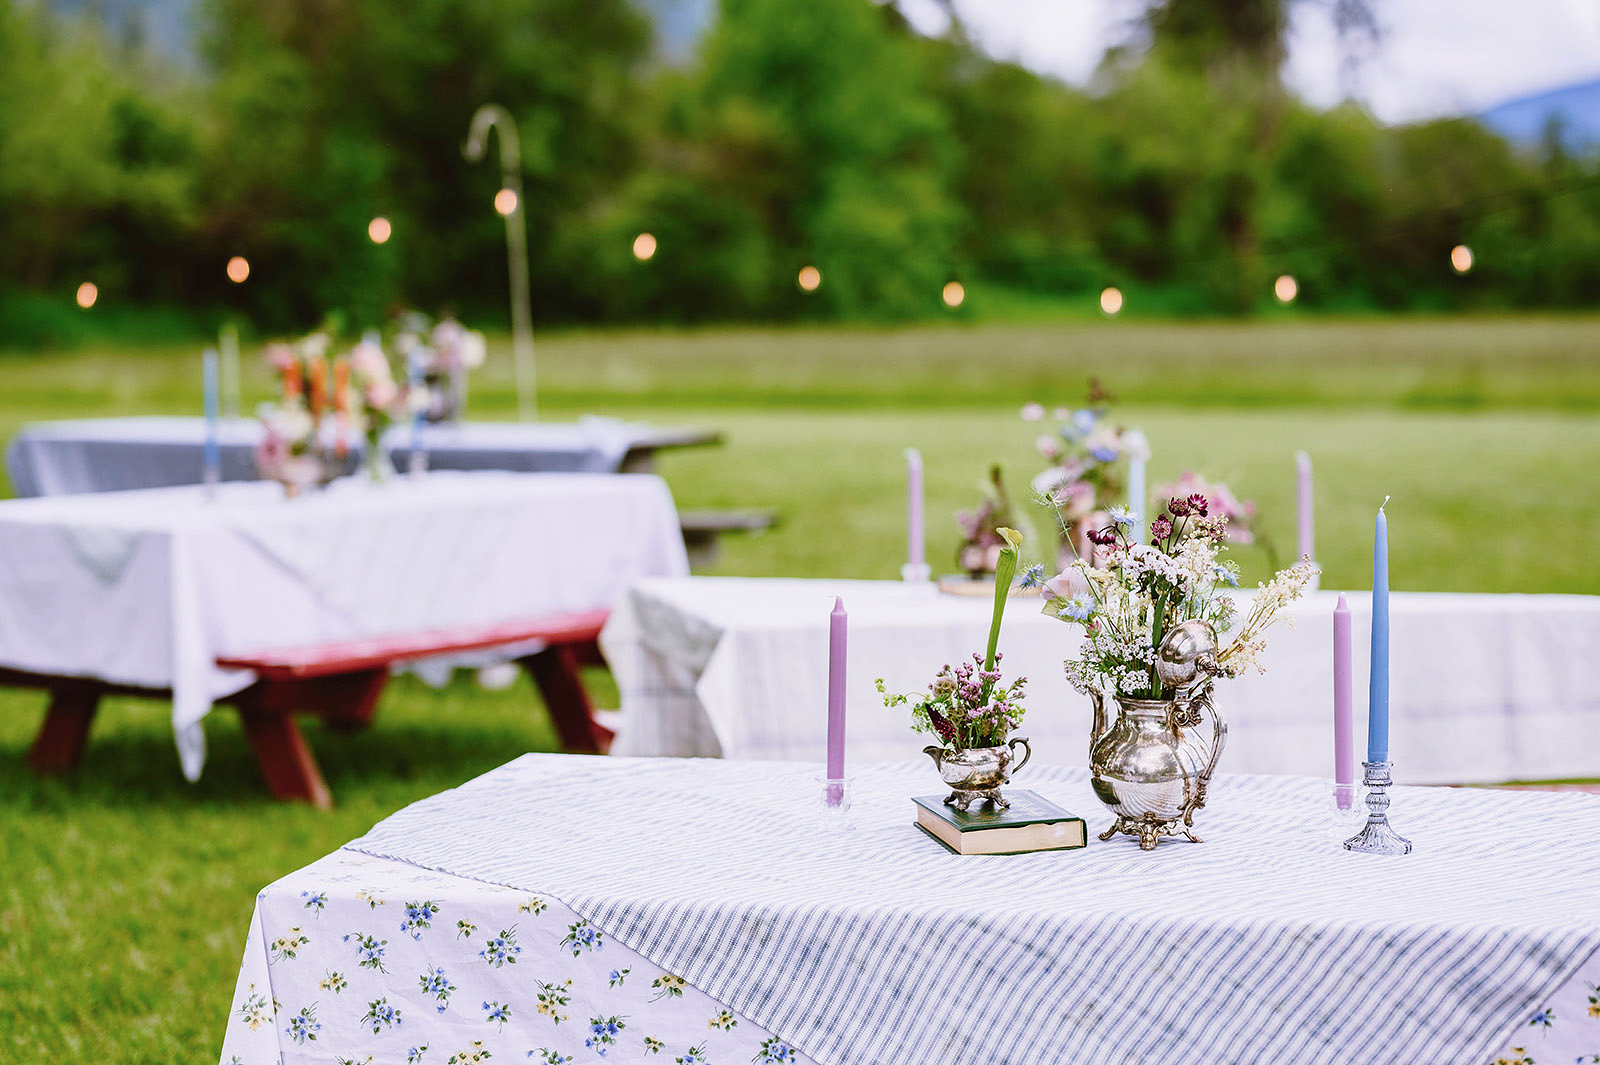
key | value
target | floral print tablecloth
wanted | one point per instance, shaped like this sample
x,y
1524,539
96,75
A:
x,y
1565,1029
357,960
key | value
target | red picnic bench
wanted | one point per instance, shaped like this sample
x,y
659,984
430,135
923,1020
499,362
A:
x,y
340,682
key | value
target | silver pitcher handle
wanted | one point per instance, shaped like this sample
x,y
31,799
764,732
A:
x,y
1219,730
1027,752
1097,727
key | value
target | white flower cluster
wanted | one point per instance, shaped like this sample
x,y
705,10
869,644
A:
x,y
1142,558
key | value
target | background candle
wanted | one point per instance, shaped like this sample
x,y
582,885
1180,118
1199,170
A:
x,y
1136,490
211,469
1344,756
914,532
1307,529
838,638
1378,691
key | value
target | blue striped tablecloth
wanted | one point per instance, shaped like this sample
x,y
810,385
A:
x,y
1266,943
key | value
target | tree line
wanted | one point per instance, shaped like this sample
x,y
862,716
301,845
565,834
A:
x,y
826,133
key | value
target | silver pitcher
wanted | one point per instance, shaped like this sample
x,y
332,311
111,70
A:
x,y
975,773
1152,764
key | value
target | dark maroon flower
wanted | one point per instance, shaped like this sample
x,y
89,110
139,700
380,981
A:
x,y
942,726
1161,528
1197,503
1179,507
1104,537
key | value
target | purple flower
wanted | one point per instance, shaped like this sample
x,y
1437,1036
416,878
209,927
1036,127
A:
x,y
1161,528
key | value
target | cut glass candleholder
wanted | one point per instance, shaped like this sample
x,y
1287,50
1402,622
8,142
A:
x,y
1376,836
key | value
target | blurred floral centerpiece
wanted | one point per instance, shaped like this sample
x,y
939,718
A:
x,y
298,447
1151,616
1088,467
437,357
981,527
972,712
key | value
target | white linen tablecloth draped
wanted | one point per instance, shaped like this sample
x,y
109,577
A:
x,y
875,946
1483,687
119,454
147,588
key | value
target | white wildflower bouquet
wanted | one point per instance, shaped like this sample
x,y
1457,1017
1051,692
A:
x,y
1139,592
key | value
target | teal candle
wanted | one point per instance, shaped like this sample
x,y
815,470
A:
x,y
1378,690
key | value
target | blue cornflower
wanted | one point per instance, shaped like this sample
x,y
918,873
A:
x,y
1084,420
1227,576
1103,454
1079,608
1122,516
1031,577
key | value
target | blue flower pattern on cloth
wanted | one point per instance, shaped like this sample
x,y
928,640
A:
x,y
588,997
1562,1028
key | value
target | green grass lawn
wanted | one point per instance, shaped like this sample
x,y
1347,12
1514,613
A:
x,y
127,891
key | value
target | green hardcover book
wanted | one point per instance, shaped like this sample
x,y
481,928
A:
x,y
1033,823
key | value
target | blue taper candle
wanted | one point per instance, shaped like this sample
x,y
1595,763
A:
x,y
211,455
1378,689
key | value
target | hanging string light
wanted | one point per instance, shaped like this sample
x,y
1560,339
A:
x,y
644,247
1286,288
810,277
238,269
1461,258
954,294
1111,300
379,230
88,292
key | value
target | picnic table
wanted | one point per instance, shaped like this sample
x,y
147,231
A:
x,y
111,454
300,605
564,909
1483,687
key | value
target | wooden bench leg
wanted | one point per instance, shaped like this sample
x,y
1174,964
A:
x,y
65,732
555,671
286,761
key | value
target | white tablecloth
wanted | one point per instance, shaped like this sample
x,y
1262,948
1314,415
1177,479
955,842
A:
x,y
114,454
147,588
1483,687
875,946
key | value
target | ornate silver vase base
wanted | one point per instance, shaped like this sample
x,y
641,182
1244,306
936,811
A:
x,y
1376,837
1150,829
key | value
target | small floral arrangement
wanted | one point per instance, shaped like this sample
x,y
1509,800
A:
x,y
1087,456
1241,513
437,357
1138,592
294,448
968,706
982,543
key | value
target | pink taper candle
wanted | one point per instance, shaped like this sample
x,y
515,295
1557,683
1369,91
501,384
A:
x,y
1344,752
838,637
1308,547
914,537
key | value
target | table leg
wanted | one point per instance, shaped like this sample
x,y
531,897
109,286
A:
x,y
65,732
286,760
555,671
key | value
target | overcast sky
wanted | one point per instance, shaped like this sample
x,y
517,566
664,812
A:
x,y
1436,57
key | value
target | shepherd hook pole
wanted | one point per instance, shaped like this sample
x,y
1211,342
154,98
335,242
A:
x,y
495,117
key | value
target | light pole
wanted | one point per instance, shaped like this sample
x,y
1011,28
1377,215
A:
x,y
487,117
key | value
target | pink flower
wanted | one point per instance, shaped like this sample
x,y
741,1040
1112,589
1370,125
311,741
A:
x,y
1048,445
368,362
279,356
382,394
1032,412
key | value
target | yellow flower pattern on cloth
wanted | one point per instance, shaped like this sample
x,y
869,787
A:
x,y
468,996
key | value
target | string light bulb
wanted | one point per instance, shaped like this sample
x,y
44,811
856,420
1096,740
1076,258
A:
x,y
810,278
954,294
379,230
1111,300
1461,258
1286,288
238,269
88,292
505,201
644,247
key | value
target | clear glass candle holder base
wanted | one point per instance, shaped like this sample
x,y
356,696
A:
x,y
833,802
1344,809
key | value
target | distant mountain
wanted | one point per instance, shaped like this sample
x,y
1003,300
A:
x,y
1574,109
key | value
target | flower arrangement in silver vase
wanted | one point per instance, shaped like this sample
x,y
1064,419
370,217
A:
x,y
1151,615
972,711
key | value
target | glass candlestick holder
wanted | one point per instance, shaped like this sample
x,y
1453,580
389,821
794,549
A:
x,y
833,802
1344,809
